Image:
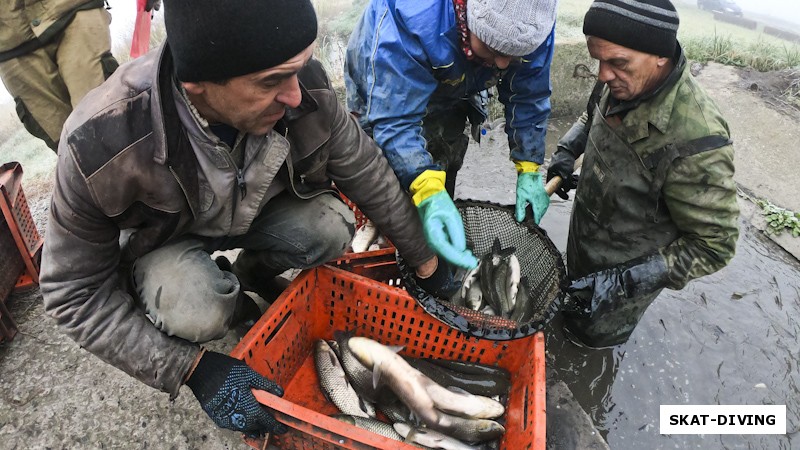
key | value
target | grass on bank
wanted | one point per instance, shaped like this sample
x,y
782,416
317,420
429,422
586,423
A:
x,y
761,55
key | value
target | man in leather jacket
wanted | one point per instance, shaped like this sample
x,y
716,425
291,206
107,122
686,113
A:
x,y
656,203
224,137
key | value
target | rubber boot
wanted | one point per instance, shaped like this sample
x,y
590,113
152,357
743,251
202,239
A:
x,y
246,310
255,276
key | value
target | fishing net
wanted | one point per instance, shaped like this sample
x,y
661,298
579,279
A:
x,y
541,268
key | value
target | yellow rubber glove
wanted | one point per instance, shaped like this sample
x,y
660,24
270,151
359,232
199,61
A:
x,y
441,221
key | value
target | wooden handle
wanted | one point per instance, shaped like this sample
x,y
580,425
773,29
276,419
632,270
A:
x,y
552,185
555,182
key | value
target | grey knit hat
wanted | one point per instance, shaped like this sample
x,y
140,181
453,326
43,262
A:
x,y
649,26
511,27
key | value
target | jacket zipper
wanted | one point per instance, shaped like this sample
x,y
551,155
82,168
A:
x,y
290,168
241,183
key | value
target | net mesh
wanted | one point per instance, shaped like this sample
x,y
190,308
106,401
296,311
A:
x,y
541,269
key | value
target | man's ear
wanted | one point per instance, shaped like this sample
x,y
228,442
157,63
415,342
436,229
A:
x,y
193,87
662,61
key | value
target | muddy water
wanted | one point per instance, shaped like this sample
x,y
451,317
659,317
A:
x,y
729,338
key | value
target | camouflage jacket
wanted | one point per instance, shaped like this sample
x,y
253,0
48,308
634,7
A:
x,y
697,202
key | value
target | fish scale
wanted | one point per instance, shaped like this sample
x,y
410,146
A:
x,y
334,384
360,376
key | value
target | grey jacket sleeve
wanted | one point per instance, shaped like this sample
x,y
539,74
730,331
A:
x,y
363,174
575,139
80,283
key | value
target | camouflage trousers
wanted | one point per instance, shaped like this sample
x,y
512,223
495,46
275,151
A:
x,y
50,81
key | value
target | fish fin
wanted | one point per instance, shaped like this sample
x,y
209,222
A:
x,y
412,418
402,428
496,247
458,390
364,406
396,348
508,251
376,375
335,348
343,334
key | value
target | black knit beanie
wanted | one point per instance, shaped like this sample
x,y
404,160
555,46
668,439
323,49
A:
x,y
650,26
214,40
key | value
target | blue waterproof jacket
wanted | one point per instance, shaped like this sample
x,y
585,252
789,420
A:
x,y
404,60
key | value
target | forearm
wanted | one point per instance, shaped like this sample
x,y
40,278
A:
x,y
404,147
526,118
525,92
363,174
575,139
701,197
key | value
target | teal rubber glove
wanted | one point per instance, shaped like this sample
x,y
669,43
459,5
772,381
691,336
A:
x,y
530,191
444,230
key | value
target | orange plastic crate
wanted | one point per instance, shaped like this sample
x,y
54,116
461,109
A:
x,y
319,301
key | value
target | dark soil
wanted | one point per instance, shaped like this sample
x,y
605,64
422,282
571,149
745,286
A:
x,y
779,88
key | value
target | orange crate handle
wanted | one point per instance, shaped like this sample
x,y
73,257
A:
x,y
326,428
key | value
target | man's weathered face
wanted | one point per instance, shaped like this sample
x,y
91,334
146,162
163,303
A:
x,y
251,103
489,57
628,73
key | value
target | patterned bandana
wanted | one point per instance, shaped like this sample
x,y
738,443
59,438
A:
x,y
461,22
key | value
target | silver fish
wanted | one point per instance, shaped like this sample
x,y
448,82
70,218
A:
x,y
512,282
469,430
470,278
393,371
430,438
457,401
364,236
492,281
457,299
373,425
360,377
474,300
487,281
423,396
499,277
523,312
396,412
334,384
